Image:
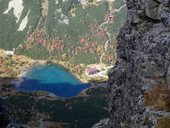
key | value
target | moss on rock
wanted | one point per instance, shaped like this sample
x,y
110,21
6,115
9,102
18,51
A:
x,y
164,122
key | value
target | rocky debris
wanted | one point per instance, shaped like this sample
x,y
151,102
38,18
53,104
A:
x,y
102,124
143,62
16,126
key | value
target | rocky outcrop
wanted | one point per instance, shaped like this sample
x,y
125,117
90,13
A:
x,y
140,81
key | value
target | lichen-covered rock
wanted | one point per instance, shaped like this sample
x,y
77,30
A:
x,y
143,64
152,9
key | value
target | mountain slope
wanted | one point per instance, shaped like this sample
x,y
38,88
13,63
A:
x,y
67,30
18,18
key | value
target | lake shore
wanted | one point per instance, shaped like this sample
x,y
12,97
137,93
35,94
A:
x,y
24,64
64,65
51,78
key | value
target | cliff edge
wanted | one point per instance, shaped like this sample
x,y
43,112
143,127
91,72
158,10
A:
x,y
139,84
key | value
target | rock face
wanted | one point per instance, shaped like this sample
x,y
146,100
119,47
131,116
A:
x,y
140,81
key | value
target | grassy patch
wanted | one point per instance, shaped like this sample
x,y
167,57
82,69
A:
x,y
80,111
159,97
164,122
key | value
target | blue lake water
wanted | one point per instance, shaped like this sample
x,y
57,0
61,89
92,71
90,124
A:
x,y
53,79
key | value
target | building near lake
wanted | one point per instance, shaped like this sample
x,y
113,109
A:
x,y
92,71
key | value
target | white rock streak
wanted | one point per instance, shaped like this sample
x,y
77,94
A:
x,y
17,5
24,22
118,10
63,19
56,2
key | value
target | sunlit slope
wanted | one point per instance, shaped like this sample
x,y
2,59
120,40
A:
x,y
67,30
18,18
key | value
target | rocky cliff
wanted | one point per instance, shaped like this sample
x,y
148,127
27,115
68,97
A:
x,y
139,84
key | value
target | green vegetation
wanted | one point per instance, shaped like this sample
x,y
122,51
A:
x,y
32,53
118,22
96,92
69,31
81,111
79,26
9,36
90,58
19,105
118,3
